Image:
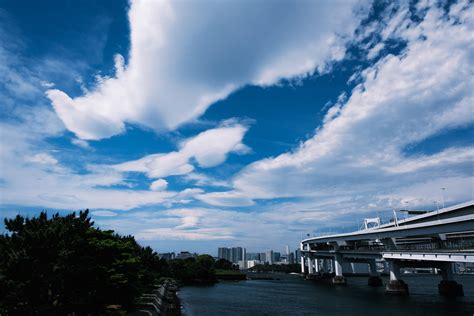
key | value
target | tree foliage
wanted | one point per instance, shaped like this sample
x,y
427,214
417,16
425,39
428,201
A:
x,y
64,264
224,264
193,270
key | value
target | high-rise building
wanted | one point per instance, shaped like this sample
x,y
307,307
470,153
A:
x,y
276,257
253,256
234,254
298,256
290,258
224,253
237,254
269,257
262,257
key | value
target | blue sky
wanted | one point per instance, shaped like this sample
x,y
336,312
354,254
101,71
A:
x,y
194,125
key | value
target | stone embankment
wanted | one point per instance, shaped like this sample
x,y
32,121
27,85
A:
x,y
162,301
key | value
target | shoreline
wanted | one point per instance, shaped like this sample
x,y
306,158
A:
x,y
162,301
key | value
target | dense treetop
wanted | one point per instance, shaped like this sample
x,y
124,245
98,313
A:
x,y
64,264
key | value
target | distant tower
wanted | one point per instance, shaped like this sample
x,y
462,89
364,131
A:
x,y
269,256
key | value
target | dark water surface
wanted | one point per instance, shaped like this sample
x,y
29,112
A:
x,y
296,296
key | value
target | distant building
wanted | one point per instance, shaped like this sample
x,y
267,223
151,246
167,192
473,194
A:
x,y
224,253
242,264
276,257
252,256
298,256
234,254
269,257
252,263
262,257
167,256
290,258
185,255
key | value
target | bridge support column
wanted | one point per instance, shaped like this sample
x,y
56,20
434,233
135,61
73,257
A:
x,y
316,266
310,265
374,278
396,285
338,279
303,270
447,286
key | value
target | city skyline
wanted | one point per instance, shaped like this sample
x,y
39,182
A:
x,y
193,125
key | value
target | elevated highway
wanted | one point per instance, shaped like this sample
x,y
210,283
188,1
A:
x,y
435,239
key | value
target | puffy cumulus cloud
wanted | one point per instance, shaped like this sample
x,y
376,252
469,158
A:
x,y
159,185
208,149
361,149
185,56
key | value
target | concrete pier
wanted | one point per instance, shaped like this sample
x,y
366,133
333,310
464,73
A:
x,y
338,279
396,285
374,278
447,286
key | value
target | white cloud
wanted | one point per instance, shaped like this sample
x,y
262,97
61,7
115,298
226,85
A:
x,y
32,176
402,100
43,158
201,179
185,56
81,143
104,213
159,185
225,199
209,148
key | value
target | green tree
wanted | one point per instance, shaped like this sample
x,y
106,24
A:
x,y
64,264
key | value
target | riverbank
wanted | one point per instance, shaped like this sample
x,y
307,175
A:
x,y
162,301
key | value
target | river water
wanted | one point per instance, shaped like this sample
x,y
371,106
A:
x,y
295,296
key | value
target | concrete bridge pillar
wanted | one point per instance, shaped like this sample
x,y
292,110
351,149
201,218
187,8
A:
x,y
303,258
338,278
316,266
374,278
310,265
447,286
396,285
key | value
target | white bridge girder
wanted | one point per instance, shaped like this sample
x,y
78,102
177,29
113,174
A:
x,y
423,256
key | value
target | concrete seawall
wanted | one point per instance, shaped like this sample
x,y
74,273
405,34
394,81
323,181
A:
x,y
162,301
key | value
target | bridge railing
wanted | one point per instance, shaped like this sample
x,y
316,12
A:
x,y
447,245
425,246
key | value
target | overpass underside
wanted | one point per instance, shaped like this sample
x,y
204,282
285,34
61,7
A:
x,y
437,241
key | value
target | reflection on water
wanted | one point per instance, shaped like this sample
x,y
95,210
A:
x,y
296,296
